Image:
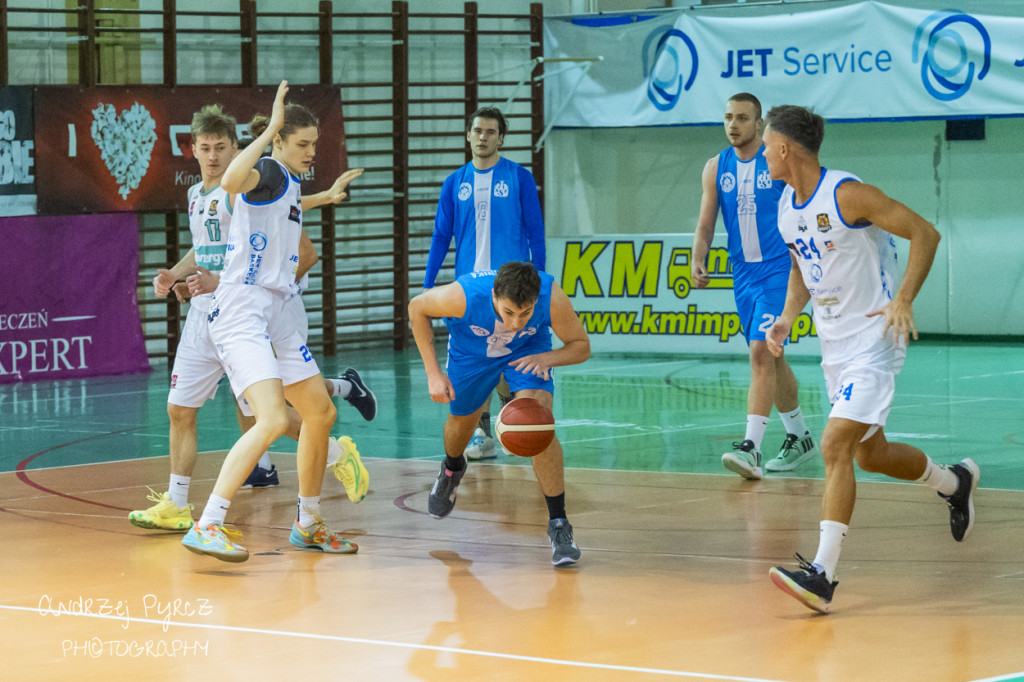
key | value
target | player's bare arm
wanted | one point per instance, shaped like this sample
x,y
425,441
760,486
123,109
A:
x,y
565,323
241,175
705,231
797,297
308,256
859,202
335,193
446,301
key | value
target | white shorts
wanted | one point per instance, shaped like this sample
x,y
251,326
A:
x,y
297,315
197,371
860,375
256,338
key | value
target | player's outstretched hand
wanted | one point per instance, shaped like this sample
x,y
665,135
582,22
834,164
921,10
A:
x,y
533,364
337,191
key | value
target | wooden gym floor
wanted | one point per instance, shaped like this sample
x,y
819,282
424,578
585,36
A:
x,y
673,582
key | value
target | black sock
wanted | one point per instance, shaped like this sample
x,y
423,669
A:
x,y
556,506
485,423
454,463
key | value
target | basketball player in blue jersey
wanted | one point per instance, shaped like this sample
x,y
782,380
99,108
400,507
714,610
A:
x,y
499,325
197,371
736,182
491,207
840,233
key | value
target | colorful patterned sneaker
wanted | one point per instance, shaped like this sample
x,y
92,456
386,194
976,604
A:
x,y
563,548
262,478
360,397
481,446
795,451
348,468
809,586
215,541
164,515
744,459
961,503
442,495
319,537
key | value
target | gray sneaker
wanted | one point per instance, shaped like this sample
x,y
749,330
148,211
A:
x,y
563,548
795,451
744,459
442,495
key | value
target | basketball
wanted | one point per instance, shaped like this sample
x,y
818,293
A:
x,y
525,427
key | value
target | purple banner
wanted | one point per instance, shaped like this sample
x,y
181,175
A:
x,y
69,308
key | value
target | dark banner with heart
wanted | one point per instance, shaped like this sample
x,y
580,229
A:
x,y
114,148
17,183
72,309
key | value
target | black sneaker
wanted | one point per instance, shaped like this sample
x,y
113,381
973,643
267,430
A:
x,y
563,548
262,478
360,397
442,495
961,503
808,586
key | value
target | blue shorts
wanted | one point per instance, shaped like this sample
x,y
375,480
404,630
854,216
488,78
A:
x,y
474,379
760,303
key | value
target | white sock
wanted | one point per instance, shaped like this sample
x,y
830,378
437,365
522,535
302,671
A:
x,y
264,462
794,422
938,477
178,489
829,545
307,507
214,512
342,387
333,451
756,426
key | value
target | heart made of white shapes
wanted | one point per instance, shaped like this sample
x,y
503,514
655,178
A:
x,y
125,142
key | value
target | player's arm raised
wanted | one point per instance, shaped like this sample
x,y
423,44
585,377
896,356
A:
x,y
705,231
859,202
240,176
446,301
566,325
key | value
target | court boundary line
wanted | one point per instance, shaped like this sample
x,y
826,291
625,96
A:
x,y
401,645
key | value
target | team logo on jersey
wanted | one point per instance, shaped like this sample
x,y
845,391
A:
x,y
294,214
823,224
465,191
529,331
816,272
728,182
212,210
764,180
501,189
801,224
479,331
258,241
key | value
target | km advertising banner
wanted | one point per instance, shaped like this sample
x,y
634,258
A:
x,y
69,307
635,295
17,181
129,148
861,61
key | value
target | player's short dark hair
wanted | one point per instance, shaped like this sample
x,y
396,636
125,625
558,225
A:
x,y
518,281
211,120
747,97
799,124
295,116
488,112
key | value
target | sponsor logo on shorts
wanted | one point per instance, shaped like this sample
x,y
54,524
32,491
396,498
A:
x,y
174,380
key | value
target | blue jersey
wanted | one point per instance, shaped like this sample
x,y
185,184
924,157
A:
x,y
480,336
749,201
494,216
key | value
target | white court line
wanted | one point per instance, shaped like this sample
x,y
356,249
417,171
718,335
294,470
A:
x,y
400,645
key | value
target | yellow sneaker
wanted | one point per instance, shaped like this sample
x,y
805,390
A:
x,y
164,515
348,468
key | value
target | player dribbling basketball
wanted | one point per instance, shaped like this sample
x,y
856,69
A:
x,y
499,323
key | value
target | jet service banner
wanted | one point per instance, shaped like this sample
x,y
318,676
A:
x,y
861,61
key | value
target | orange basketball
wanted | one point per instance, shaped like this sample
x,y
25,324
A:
x,y
525,427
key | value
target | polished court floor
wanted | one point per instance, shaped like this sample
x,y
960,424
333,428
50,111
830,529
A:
x,y
673,580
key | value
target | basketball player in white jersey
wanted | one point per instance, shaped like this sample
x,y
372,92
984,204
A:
x,y
736,182
491,208
197,370
841,232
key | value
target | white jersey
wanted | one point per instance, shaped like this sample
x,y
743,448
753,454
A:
x,y
849,270
209,219
263,246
